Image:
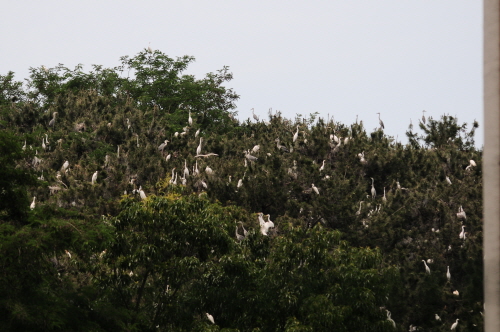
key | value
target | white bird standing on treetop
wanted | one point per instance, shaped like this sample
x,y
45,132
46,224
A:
x,y
256,118
423,116
94,177
448,275
454,326
380,121
198,150
426,267
373,191
32,206
296,135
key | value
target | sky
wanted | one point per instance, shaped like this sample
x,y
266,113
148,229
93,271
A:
x,y
342,59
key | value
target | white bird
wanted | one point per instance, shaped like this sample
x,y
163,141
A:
x,y
197,133
390,319
437,317
198,149
423,116
322,166
316,190
380,121
296,135
150,50
209,171
186,170
190,120
68,253
256,149
359,210
281,147
454,326
448,275
163,145
245,233
373,191
256,118
44,147
427,270
448,180
65,166
240,183
239,237
32,206
249,156
210,318
384,198
264,226
24,146
346,140
472,163
94,177
53,121
196,171
456,293
462,233
461,213
167,158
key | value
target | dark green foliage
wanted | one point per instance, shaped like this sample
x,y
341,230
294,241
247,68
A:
x,y
337,261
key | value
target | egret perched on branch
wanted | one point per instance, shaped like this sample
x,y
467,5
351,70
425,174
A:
x,y
208,170
53,121
390,319
448,275
256,118
210,318
94,177
186,170
462,233
461,213
256,149
65,166
163,145
454,326
197,133
472,163
32,206
296,135
239,237
281,147
373,191
142,193
381,123
437,317
448,180
359,210
190,120
249,156
245,233
426,267
322,166
384,198
316,190
198,150
423,116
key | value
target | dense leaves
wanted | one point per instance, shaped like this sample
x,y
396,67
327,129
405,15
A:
x,y
128,235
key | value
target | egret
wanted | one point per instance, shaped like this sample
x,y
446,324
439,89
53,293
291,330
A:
x,y
437,317
210,318
461,213
249,156
359,210
197,133
245,233
380,121
239,237
346,140
204,184
208,170
65,166
32,206
256,149
316,190
196,170
390,319
53,121
456,293
462,233
472,163
426,267
137,136
384,198
163,145
296,135
448,180
322,166
118,152
176,134
240,183
190,120
198,149
454,326
173,176
94,177
44,147
128,123
264,226
423,116
269,222
175,179
186,170
336,139
167,158
373,191
24,146
150,50
448,275
68,253
279,146
256,118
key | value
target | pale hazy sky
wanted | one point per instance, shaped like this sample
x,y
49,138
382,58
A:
x,y
337,57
